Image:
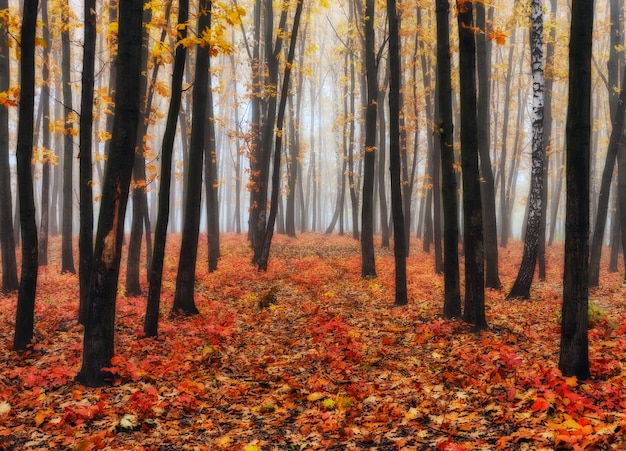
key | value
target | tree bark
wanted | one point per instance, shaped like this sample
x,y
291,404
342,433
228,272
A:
x,y
521,287
67,254
25,314
185,280
368,262
269,232
98,343
474,311
399,245
151,321
10,280
574,348
85,239
488,192
445,133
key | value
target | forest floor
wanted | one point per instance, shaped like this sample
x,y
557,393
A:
x,y
309,356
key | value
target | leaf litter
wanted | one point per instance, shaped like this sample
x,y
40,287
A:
x,y
310,356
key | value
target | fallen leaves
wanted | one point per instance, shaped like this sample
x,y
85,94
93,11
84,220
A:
x,y
328,364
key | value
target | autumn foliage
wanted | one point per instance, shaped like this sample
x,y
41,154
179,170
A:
x,y
310,356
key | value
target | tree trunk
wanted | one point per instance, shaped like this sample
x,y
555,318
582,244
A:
x,y
488,192
67,254
139,184
211,182
368,262
25,314
85,239
151,321
98,343
574,349
185,280
617,118
474,311
262,264
382,160
521,287
399,246
444,128
7,238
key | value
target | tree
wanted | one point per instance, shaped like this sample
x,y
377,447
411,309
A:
x,y
46,154
67,254
185,279
521,287
368,265
617,118
262,263
25,314
151,321
7,238
85,239
574,348
488,193
474,311
444,128
399,246
98,341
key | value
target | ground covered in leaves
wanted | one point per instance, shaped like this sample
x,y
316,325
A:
x,y
309,356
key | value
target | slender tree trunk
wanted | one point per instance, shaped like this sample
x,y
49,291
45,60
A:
x,y
139,183
474,311
46,160
521,287
10,280
85,240
399,246
483,57
368,264
382,160
185,280
452,287
151,321
574,349
211,182
25,314
67,255
617,118
279,135
547,128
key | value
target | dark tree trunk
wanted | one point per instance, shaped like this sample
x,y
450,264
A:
x,y
521,287
98,344
263,260
85,239
574,349
45,142
7,238
399,246
368,264
211,183
67,254
452,287
547,131
617,118
25,314
382,160
474,311
185,280
139,183
151,321
488,192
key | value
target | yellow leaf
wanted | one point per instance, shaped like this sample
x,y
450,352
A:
x,y
5,408
571,424
315,396
39,418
